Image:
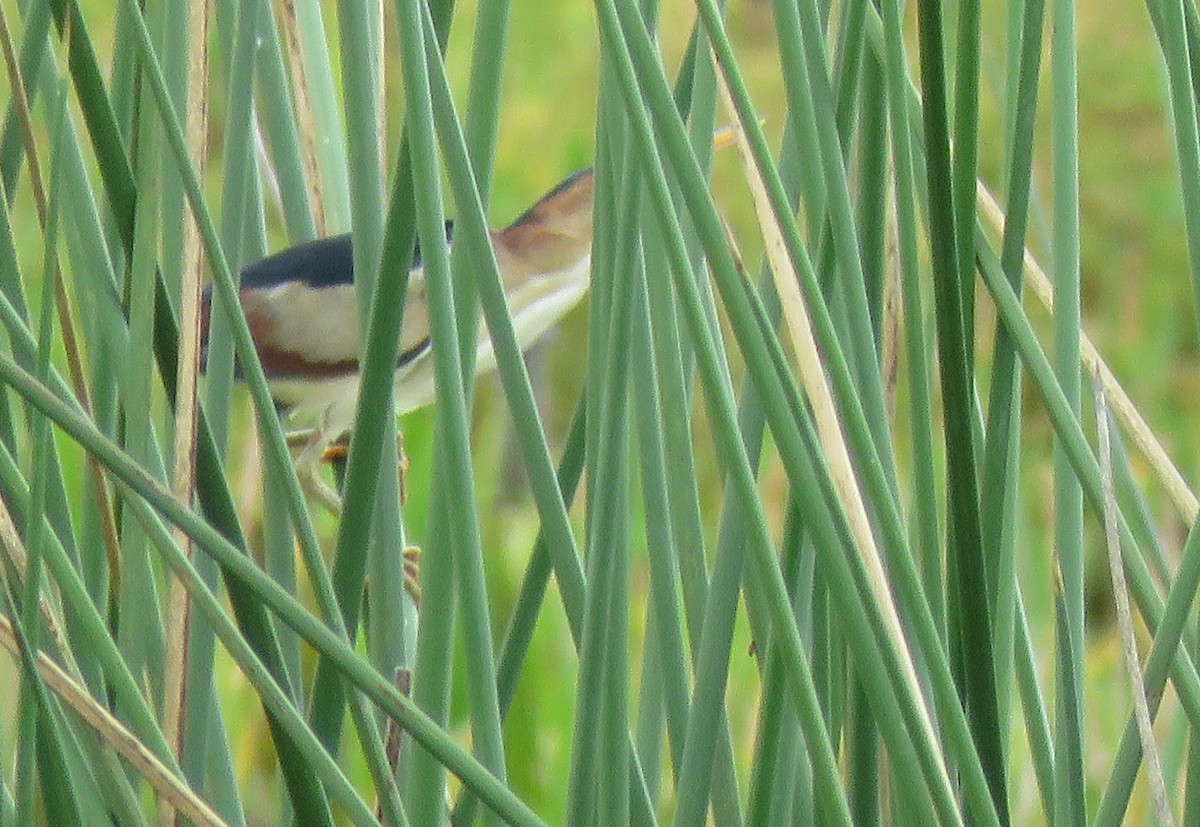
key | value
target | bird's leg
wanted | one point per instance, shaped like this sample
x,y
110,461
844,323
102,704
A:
x,y
340,450
402,470
307,469
300,438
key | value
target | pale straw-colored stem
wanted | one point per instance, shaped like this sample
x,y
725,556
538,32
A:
x,y
184,477
1122,406
1137,685
829,428
113,733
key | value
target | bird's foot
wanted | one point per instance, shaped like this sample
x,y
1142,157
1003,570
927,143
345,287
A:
x,y
308,465
412,573
299,439
402,470
319,490
338,451
317,449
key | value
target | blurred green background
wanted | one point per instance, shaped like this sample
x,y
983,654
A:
x,y
1136,306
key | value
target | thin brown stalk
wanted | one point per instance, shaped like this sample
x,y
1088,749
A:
x,y
305,121
51,613
166,783
11,538
183,478
108,525
892,310
381,86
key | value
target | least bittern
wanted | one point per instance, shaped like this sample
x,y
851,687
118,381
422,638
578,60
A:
x,y
302,312
301,309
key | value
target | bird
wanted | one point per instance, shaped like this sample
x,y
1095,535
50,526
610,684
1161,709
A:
x,y
302,313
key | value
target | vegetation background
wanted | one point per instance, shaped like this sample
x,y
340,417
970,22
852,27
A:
x,y
1135,304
